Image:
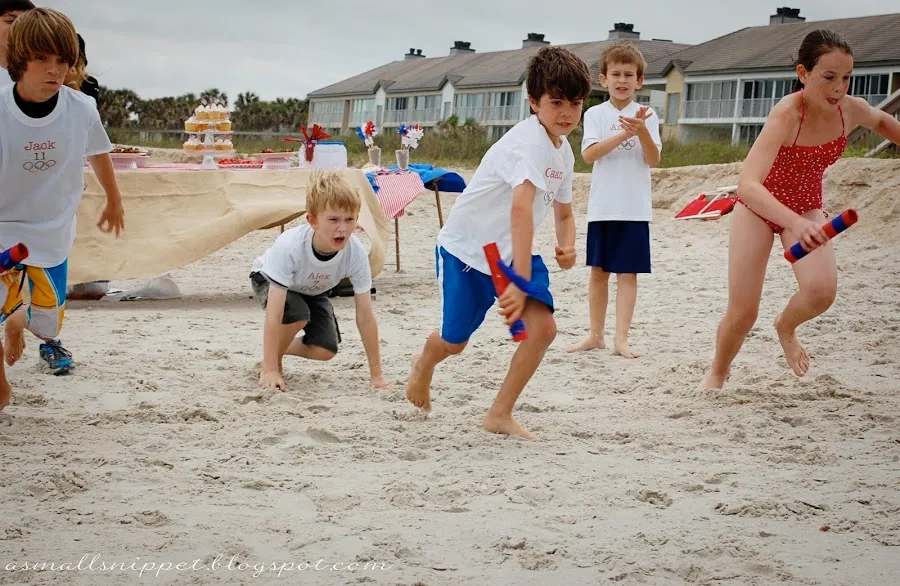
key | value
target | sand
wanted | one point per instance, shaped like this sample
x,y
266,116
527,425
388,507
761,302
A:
x,y
160,448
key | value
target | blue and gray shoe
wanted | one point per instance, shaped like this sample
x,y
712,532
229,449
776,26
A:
x,y
56,358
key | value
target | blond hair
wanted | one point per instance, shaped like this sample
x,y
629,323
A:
x,y
330,189
622,53
42,31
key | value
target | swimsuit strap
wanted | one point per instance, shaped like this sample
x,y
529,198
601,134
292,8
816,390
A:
x,y
802,116
843,128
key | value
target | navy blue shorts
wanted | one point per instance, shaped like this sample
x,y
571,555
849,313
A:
x,y
466,294
619,246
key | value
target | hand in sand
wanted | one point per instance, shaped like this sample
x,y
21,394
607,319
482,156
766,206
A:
x,y
512,304
269,379
565,257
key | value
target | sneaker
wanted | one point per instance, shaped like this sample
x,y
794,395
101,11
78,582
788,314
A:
x,y
56,358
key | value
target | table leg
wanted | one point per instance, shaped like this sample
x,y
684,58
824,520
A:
x,y
437,199
397,240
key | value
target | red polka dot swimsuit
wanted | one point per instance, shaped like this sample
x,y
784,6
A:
x,y
796,175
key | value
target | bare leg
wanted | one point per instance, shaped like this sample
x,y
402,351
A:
x,y
749,246
598,298
286,335
817,277
303,350
626,299
418,387
15,336
541,333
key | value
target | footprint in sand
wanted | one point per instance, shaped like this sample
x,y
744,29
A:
x,y
320,435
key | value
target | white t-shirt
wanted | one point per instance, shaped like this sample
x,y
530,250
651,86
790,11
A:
x,y
291,263
481,214
5,79
620,181
42,173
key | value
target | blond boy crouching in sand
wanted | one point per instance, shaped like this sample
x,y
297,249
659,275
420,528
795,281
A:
x,y
291,280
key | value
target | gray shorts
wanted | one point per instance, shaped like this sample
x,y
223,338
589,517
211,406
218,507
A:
x,y
322,329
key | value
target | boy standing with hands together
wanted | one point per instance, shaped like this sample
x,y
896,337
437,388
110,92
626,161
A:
x,y
621,139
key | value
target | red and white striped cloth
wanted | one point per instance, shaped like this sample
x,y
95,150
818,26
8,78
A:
x,y
396,191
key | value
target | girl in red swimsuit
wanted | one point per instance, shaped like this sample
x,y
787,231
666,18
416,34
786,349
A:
x,y
781,182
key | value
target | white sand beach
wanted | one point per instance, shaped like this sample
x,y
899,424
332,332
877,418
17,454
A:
x,y
161,449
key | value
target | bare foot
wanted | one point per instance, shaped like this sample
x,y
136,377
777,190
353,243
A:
x,y
5,394
624,350
418,387
15,337
713,381
587,344
794,353
505,424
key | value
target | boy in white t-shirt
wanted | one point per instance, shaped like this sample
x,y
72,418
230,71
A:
x,y
47,131
621,139
521,177
291,281
10,10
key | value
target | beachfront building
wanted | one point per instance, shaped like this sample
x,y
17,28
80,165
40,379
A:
x,y
723,89
487,88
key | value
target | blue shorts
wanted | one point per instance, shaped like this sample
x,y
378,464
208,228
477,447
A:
x,y
619,246
466,294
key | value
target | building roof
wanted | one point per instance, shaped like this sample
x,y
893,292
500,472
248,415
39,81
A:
x,y
875,40
479,70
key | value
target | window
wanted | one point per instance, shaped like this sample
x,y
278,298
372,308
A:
x,y
425,102
874,87
397,103
329,107
768,88
502,99
360,106
714,90
469,100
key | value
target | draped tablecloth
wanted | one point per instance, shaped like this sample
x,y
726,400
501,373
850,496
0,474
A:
x,y
174,217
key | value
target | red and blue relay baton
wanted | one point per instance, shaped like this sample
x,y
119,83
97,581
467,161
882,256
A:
x,y
13,256
831,229
502,275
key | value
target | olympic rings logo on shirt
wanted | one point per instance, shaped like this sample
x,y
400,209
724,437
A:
x,y
629,144
39,165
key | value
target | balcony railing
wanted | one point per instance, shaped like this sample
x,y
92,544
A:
x,y
420,116
484,114
874,99
873,142
709,109
757,107
360,118
749,107
326,119
474,113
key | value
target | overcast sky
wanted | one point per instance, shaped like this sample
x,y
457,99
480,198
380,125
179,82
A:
x,y
287,48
